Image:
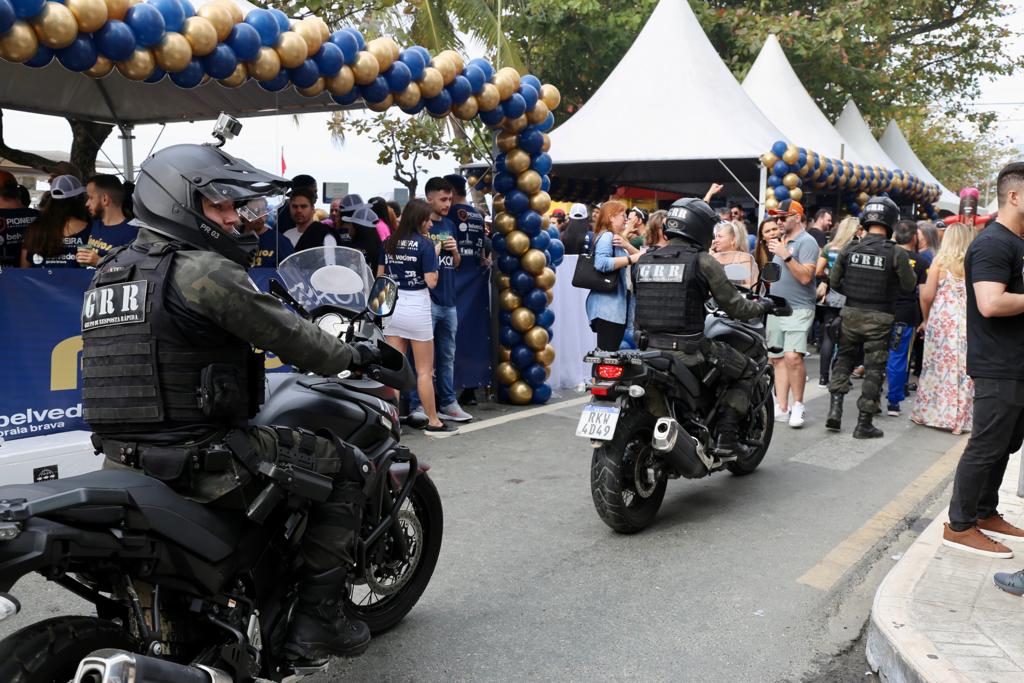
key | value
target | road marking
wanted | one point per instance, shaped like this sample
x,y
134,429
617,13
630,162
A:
x,y
849,552
522,415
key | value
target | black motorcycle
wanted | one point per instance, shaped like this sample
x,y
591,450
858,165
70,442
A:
x,y
652,419
191,593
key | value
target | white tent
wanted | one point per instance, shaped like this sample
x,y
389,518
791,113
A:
x,y
897,147
852,126
776,89
693,119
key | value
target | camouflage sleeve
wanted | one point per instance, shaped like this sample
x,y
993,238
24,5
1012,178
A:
x,y
223,292
835,278
905,271
725,294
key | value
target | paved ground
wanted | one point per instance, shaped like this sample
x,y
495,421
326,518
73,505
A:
x,y
762,578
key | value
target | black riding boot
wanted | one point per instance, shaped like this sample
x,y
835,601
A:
x,y
834,421
866,430
319,627
728,446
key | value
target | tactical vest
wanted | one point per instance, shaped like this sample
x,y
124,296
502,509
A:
x,y
869,275
151,365
670,291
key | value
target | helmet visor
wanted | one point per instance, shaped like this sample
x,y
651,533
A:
x,y
252,202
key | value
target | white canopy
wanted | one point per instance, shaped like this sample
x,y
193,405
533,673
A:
x,y
776,89
897,147
693,114
852,126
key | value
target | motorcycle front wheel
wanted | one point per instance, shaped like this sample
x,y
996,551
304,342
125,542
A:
x,y
626,482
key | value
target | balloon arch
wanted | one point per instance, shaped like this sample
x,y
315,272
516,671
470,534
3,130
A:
x,y
157,39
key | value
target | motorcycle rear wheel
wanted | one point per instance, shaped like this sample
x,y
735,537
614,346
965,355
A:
x,y
761,426
621,502
50,650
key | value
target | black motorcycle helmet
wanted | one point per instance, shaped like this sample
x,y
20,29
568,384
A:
x,y
882,211
693,220
169,191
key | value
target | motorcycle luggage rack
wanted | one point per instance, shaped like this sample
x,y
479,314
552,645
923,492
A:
x,y
20,509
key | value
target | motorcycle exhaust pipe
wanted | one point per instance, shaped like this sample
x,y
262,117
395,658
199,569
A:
x,y
678,448
117,666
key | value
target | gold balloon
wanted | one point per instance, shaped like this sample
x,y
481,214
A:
x,y
446,67
466,111
520,393
769,159
771,203
791,180
546,279
517,242
19,44
432,82
505,84
291,48
791,156
540,202
456,59
512,74
547,143
319,87
101,68
796,194
509,300
409,97
550,95
534,261
507,141
90,14
220,17
139,66
173,53
200,34
504,353
504,223
116,9
388,102
506,373
516,125
536,338
546,356
498,203
310,33
517,161
341,83
325,32
55,26
529,182
266,66
234,11
551,296
504,282
523,319
240,76
489,98
539,113
381,49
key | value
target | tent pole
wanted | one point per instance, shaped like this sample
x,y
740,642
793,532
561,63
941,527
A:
x,y
740,182
126,151
761,193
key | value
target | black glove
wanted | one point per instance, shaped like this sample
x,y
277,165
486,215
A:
x,y
777,306
365,353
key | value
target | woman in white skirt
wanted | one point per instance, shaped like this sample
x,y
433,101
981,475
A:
x,y
410,259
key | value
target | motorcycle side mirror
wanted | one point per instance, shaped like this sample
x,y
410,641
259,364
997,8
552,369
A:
x,y
383,296
771,272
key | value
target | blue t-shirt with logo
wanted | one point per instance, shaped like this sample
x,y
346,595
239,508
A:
x,y
444,293
13,228
66,258
469,224
104,237
413,257
272,250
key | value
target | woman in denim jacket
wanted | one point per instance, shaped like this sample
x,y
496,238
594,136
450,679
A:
x,y
610,313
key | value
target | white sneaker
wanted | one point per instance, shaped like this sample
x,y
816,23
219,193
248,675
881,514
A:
x,y
454,412
781,415
796,416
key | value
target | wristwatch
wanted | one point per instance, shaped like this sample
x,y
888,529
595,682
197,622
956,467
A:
x,y
788,259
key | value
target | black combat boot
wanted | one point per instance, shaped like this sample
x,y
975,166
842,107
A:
x,y
319,627
866,430
728,446
834,421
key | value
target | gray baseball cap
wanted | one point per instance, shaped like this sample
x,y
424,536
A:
x,y
66,187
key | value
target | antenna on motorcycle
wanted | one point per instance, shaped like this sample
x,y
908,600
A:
x,y
281,294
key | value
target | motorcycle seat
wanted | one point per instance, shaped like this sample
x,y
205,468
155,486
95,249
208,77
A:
x,y
666,361
201,529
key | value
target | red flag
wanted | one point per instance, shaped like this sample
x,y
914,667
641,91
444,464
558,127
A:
x,y
284,166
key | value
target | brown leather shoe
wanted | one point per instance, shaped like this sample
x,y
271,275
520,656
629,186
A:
x,y
973,541
997,527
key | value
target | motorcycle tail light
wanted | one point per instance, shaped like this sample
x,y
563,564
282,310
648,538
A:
x,y
610,371
600,390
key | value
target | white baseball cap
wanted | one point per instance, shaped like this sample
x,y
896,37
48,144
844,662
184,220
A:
x,y
578,211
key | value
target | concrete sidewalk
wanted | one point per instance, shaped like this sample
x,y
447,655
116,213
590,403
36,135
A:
x,y
938,616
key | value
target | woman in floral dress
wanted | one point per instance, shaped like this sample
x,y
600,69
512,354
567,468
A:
x,y
945,394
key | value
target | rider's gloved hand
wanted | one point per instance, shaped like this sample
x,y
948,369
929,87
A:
x,y
365,353
777,306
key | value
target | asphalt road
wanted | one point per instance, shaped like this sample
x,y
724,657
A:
x,y
761,578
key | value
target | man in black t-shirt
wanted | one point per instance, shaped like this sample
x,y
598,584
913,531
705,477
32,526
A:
x,y
15,218
907,319
994,273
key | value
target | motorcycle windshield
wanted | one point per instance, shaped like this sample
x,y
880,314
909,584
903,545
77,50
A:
x,y
740,267
335,276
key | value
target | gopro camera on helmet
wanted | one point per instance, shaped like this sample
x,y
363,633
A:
x,y
226,127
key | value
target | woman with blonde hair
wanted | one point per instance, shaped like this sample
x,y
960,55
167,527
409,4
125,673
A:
x,y
831,302
730,249
609,312
945,394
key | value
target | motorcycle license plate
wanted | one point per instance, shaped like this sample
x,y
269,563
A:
x,y
598,422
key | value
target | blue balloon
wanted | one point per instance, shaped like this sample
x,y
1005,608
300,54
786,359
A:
x,y
7,16
329,59
277,83
424,54
498,244
146,23
502,392
535,375
553,232
532,81
546,318
516,202
505,319
115,40
514,106
529,222
375,92
509,337
360,41
283,24
460,90
492,118
779,148
190,76
351,98
501,163
540,241
475,76
774,180
399,76
307,73
536,300
187,8
345,42
545,183
548,123
79,55
503,182
780,168
551,335
531,140
413,60
508,264
26,9
416,108
541,394
221,62
41,58
439,105
171,11
157,76
484,66
266,26
542,164
557,251
801,160
781,192
530,95
245,41
522,356
522,282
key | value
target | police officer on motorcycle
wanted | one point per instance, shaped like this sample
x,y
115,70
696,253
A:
x,y
672,285
869,272
171,374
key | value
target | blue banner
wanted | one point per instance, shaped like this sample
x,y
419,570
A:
x,y
473,338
